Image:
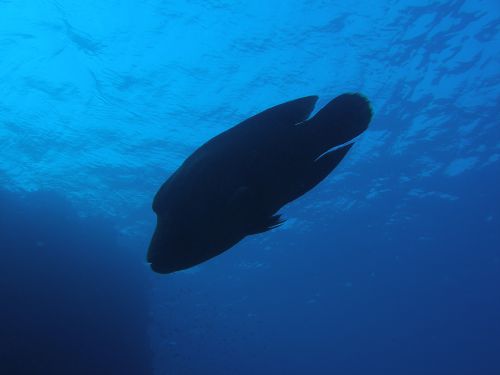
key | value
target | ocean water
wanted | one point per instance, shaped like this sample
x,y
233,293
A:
x,y
390,266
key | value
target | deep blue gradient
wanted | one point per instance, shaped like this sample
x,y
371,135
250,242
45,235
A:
x,y
391,266
73,300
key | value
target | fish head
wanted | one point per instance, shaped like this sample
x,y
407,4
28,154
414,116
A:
x,y
168,250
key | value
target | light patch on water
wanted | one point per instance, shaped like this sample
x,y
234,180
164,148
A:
x,y
252,265
492,159
370,144
461,165
376,191
430,166
419,193
344,203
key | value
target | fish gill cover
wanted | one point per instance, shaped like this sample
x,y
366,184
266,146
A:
x,y
390,266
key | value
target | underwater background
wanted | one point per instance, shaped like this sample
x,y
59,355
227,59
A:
x,y
390,266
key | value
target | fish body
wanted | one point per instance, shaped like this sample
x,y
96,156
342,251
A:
x,y
235,184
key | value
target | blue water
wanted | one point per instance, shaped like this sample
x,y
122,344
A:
x,y
390,266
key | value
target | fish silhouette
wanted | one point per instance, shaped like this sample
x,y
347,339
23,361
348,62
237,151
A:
x,y
234,185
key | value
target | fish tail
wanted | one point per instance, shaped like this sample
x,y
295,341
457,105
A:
x,y
340,121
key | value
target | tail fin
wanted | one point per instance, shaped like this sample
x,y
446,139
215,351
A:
x,y
341,120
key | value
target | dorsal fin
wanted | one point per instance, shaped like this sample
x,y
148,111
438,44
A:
x,y
338,122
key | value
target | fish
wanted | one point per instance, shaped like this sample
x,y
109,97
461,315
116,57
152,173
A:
x,y
234,185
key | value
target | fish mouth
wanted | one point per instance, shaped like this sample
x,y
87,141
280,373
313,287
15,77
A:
x,y
161,269
163,257
156,257
162,264
157,263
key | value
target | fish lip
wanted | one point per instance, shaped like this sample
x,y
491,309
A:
x,y
150,257
158,263
160,270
